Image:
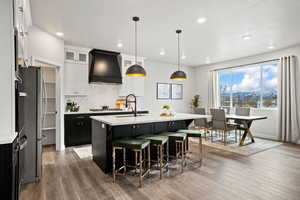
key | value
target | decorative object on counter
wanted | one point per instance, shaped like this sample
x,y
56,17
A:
x,y
177,91
120,103
166,111
105,107
136,70
178,75
163,91
196,101
72,107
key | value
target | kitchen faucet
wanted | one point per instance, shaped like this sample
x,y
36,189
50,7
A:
x,y
134,101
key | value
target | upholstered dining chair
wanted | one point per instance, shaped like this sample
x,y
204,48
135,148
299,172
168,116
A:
x,y
219,124
241,125
202,124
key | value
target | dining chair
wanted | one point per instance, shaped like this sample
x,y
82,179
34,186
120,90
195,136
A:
x,y
241,125
202,124
219,124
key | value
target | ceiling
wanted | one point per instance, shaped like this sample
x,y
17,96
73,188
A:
x,y
103,23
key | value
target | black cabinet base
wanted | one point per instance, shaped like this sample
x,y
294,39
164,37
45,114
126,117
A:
x,y
103,135
78,127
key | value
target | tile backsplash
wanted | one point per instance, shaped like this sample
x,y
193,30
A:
x,y
100,95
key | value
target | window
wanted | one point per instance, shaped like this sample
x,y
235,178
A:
x,y
250,86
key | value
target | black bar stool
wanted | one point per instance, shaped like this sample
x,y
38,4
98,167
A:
x,y
159,142
195,134
138,146
179,140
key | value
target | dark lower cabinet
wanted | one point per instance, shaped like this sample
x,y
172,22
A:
x,y
9,171
103,135
78,127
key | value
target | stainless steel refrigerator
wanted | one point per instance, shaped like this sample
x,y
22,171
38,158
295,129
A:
x,y
34,111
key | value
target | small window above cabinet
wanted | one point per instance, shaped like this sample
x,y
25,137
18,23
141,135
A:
x,y
75,55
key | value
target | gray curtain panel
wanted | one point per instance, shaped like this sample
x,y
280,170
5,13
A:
x,y
288,119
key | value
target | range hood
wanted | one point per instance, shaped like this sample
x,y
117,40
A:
x,y
104,67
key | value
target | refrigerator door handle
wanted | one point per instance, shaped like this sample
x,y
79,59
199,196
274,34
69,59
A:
x,y
22,142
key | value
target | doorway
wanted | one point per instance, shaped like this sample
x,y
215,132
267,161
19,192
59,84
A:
x,y
51,126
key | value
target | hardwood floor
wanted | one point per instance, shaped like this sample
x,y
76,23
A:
x,y
271,175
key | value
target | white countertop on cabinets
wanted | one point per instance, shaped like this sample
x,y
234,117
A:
x,y
116,120
99,112
6,139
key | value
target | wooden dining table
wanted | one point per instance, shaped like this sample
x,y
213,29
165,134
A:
x,y
245,120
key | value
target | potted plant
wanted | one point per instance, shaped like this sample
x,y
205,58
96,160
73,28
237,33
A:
x,y
196,102
166,111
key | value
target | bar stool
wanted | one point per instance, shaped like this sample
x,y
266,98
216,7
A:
x,y
138,146
195,134
159,142
179,139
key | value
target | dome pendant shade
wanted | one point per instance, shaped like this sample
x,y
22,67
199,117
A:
x,y
136,70
178,76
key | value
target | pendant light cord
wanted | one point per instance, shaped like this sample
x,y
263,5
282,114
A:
x,y
135,42
178,52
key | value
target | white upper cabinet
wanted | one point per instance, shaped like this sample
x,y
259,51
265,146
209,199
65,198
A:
x,y
131,85
76,55
76,71
22,22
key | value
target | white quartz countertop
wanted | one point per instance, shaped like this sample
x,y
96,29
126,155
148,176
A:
x,y
116,120
99,112
6,139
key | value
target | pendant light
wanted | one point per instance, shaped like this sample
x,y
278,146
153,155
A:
x,y
136,70
178,75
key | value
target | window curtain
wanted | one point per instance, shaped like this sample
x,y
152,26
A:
x,y
213,90
288,119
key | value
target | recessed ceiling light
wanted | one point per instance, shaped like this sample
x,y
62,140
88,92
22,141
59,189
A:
x,y
271,46
183,57
60,34
207,60
201,20
120,45
247,36
162,52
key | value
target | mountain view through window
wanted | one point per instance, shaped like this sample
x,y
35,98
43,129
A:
x,y
250,86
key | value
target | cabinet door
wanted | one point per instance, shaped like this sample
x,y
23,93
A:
x,y
176,125
80,132
143,129
127,82
70,56
76,79
82,57
131,85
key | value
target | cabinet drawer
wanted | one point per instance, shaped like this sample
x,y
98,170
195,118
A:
x,y
176,125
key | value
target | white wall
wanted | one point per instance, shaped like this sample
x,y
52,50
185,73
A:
x,y
7,108
107,94
161,72
97,95
265,128
46,47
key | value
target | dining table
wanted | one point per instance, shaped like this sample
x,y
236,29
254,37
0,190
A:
x,y
246,122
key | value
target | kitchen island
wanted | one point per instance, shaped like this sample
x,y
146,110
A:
x,y
105,129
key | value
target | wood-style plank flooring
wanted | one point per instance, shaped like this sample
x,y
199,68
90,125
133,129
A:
x,y
272,175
